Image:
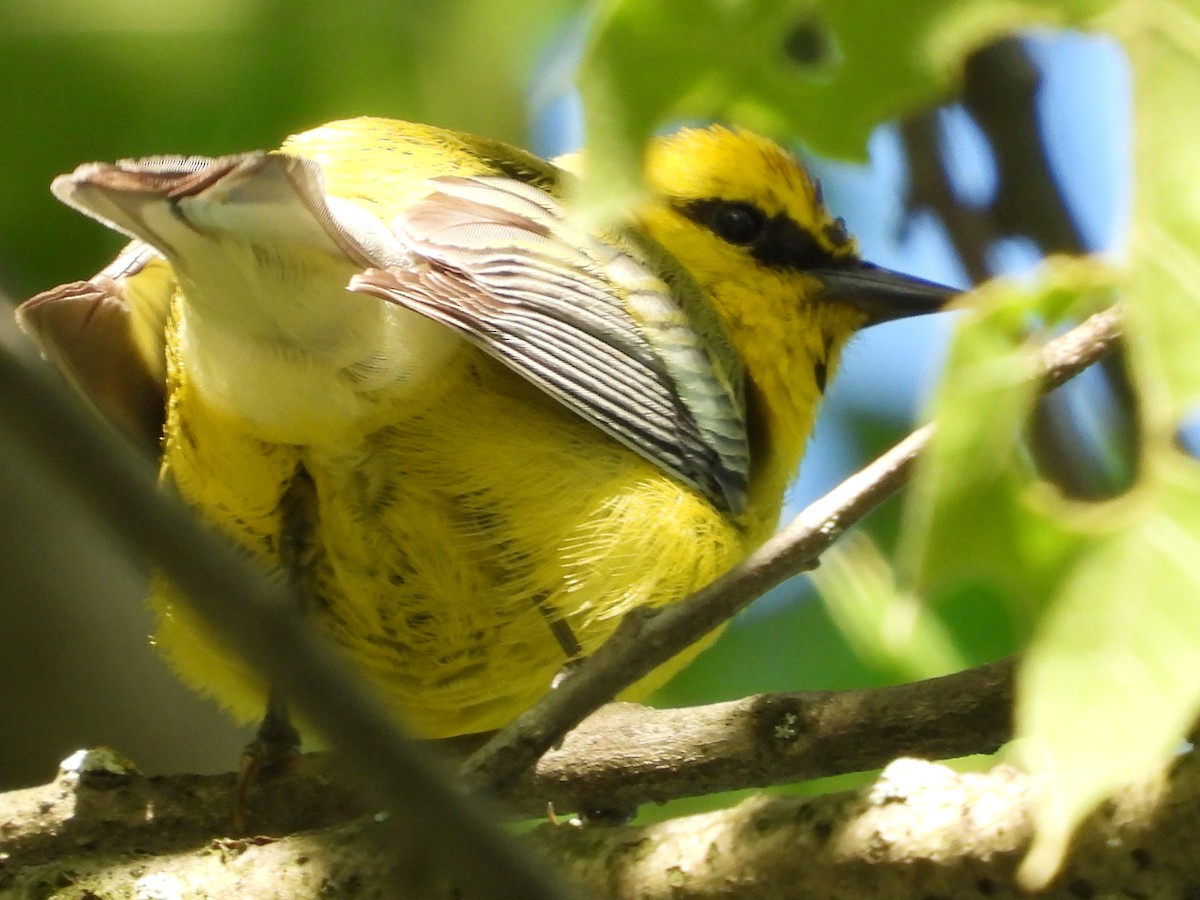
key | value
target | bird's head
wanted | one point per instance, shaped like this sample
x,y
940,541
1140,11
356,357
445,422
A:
x,y
749,224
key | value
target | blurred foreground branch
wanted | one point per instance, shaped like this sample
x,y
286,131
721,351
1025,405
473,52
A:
x,y
56,439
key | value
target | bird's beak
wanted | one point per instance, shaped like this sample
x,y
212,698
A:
x,y
881,294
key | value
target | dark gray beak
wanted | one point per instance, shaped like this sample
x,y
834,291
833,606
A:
x,y
882,294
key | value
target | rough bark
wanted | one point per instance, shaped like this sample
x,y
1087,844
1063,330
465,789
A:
x,y
920,831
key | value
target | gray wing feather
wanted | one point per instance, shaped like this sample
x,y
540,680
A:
x,y
585,320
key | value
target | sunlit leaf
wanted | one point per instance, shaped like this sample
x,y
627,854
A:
x,y
1163,43
1108,687
1110,683
976,513
824,73
892,629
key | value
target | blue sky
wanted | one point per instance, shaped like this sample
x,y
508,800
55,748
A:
x,y
1084,107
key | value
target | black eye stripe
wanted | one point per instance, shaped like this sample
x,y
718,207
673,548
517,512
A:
x,y
836,233
786,245
776,241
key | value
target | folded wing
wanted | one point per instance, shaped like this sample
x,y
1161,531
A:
x,y
587,320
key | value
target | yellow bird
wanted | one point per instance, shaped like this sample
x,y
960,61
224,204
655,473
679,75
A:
x,y
387,360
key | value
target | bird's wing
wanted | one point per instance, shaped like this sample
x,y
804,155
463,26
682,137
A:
x,y
613,328
589,321
107,336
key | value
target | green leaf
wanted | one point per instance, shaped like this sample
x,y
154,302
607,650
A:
x,y
1163,43
1109,686
891,628
976,513
790,646
824,73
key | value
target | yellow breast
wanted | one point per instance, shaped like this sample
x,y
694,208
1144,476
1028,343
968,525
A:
x,y
447,541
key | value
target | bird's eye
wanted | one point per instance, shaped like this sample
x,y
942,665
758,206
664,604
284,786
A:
x,y
737,223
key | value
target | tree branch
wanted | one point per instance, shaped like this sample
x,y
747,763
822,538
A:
x,y
620,757
624,755
920,831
